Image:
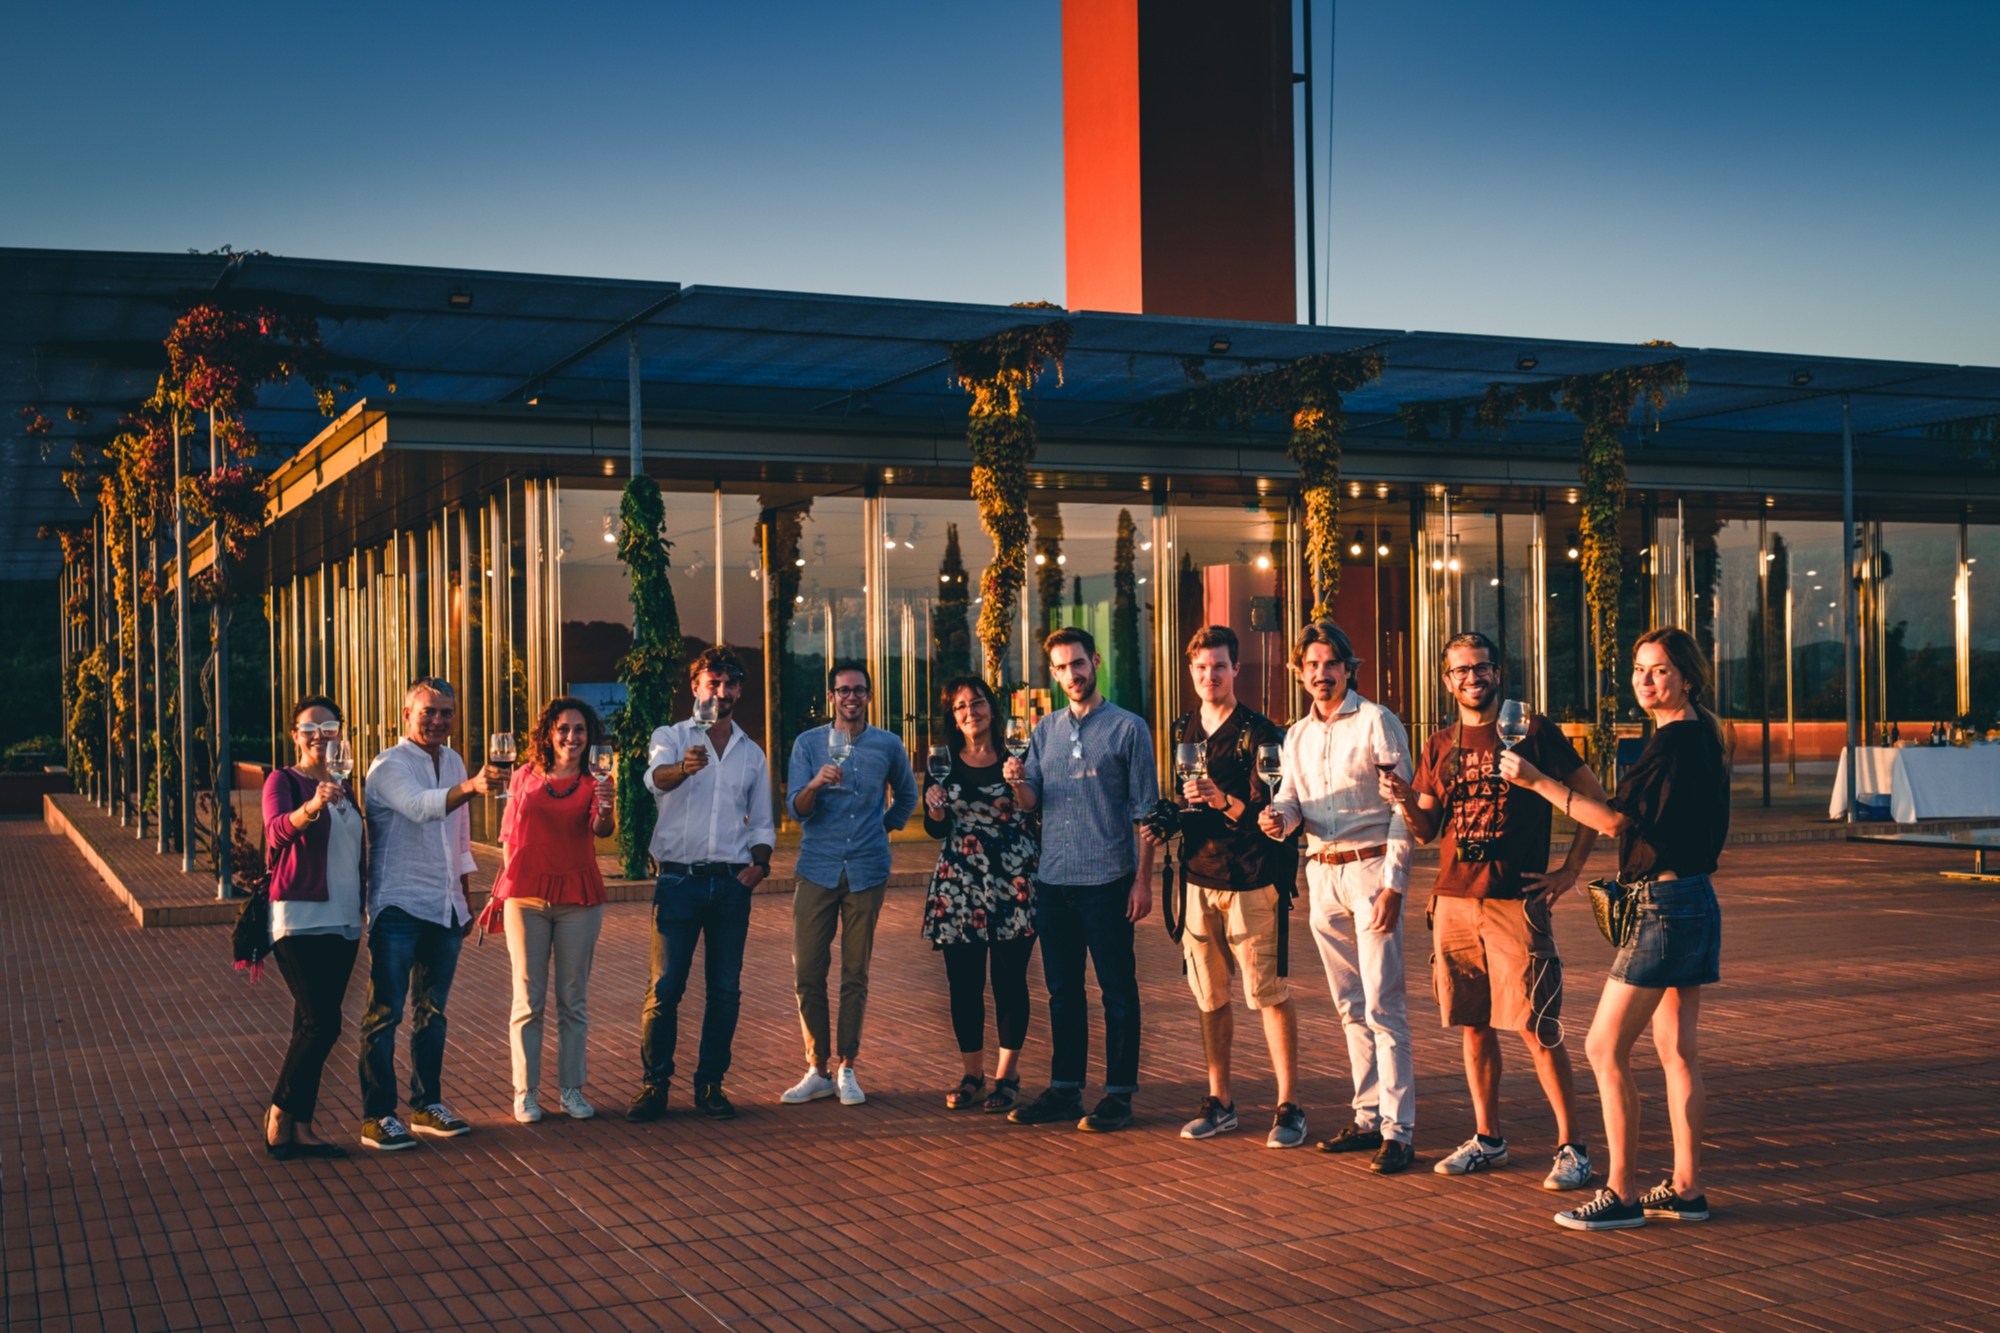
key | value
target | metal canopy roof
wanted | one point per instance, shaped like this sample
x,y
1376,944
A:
x,y
84,330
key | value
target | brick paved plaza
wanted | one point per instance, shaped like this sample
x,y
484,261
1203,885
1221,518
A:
x,y
1854,1153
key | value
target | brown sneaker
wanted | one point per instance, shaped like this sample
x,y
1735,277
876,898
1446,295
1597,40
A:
x,y
1353,1139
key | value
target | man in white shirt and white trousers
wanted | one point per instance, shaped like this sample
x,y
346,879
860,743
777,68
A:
x,y
1358,867
419,854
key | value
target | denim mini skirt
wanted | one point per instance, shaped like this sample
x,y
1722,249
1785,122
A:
x,y
1679,938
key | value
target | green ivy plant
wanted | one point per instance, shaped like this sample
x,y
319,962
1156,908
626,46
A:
x,y
651,670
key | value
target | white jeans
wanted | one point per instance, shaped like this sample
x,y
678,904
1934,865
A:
x,y
566,934
1365,972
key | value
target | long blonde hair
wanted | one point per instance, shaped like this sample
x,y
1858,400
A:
x,y
1686,656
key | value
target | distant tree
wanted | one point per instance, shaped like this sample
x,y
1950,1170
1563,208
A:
x,y
951,622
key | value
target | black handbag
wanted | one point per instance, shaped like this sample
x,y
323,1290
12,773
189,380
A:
x,y
1615,908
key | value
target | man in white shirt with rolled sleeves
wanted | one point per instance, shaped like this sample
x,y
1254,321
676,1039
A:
x,y
713,846
1358,867
419,854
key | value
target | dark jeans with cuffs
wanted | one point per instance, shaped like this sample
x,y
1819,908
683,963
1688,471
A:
x,y
685,908
413,959
316,967
1072,921
965,970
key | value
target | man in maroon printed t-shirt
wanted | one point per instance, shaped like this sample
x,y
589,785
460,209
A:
x,y
1494,963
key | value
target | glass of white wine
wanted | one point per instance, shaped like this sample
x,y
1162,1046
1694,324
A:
x,y
706,712
1019,731
938,763
500,753
1513,722
838,744
1271,766
1191,760
603,763
340,761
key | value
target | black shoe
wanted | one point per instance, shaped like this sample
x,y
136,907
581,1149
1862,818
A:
x,y
1054,1104
1391,1157
1353,1139
708,1100
649,1104
1661,1204
1113,1113
1006,1092
1603,1213
439,1121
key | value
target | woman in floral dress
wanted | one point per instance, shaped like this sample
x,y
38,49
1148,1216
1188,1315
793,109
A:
x,y
982,898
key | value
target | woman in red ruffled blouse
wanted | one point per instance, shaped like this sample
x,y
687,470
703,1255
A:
x,y
551,896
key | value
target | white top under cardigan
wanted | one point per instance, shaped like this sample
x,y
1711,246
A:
x,y
340,914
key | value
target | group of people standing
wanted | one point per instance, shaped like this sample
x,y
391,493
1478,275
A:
x,y
1051,837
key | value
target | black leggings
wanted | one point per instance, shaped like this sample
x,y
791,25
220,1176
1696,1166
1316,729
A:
x,y
965,969
316,967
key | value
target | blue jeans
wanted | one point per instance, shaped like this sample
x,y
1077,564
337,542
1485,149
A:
x,y
417,959
686,907
1072,919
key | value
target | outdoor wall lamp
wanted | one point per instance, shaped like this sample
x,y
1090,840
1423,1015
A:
x,y
459,300
1218,344
1526,361
1801,378
1359,538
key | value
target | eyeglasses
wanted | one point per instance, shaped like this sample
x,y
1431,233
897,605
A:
x,y
849,691
308,730
1478,670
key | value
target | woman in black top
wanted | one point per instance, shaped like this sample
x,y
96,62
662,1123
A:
x,y
1670,816
982,897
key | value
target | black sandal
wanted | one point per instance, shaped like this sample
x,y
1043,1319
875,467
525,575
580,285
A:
x,y
966,1094
1006,1091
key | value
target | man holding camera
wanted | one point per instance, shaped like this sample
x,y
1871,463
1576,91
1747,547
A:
x,y
1231,910
1494,962
1090,770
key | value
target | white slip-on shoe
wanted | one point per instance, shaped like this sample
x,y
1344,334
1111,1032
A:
x,y
527,1108
811,1088
575,1106
1470,1156
1571,1171
850,1087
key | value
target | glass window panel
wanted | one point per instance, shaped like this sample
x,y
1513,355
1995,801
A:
x,y
1373,604
1232,563
1916,646
1982,581
934,551
827,620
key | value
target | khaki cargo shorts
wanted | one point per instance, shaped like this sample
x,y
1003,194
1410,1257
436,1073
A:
x,y
1494,963
1229,933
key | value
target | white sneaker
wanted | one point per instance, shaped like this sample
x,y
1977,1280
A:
x,y
1470,1156
575,1106
811,1088
527,1108
1571,1171
850,1087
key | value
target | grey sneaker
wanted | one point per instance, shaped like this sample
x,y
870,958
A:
x,y
574,1105
438,1121
1472,1155
1288,1127
386,1134
1215,1118
1571,1171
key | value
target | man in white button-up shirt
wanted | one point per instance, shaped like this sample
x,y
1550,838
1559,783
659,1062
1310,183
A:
x,y
419,854
713,845
1358,867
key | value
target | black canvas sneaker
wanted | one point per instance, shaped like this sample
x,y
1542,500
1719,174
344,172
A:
x,y
1055,1104
1661,1204
1603,1213
438,1121
708,1100
1112,1113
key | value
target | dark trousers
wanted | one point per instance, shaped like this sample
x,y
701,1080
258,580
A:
x,y
413,959
685,908
316,967
1072,920
965,970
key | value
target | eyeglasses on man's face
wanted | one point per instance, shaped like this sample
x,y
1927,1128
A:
x,y
1477,671
850,691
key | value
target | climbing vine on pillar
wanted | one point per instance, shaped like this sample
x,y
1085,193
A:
x,y
651,670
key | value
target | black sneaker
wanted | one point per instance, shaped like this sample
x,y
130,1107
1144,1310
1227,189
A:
x,y
1113,1113
1394,1155
1353,1139
649,1103
386,1134
1603,1213
1053,1105
438,1121
708,1100
1661,1204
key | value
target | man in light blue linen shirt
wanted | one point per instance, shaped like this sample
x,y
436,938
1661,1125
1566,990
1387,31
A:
x,y
843,871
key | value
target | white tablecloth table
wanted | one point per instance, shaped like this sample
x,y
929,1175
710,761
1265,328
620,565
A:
x,y
1924,781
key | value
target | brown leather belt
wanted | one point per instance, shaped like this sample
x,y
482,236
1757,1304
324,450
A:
x,y
1327,858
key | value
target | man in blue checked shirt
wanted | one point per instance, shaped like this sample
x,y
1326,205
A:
x,y
1090,770
841,777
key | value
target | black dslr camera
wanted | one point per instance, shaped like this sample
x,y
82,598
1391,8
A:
x,y
1476,849
1164,820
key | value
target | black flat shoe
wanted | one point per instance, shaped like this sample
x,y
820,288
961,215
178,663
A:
x,y
1353,1139
1391,1157
283,1152
328,1151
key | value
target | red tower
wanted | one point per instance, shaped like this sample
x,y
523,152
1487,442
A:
x,y
1177,157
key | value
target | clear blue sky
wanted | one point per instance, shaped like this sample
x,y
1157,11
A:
x,y
1817,178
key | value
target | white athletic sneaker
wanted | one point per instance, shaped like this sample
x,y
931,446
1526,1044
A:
x,y
575,1106
527,1108
1470,1156
1571,1171
850,1087
811,1088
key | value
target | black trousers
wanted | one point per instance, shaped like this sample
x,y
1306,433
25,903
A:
x,y
316,967
965,970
